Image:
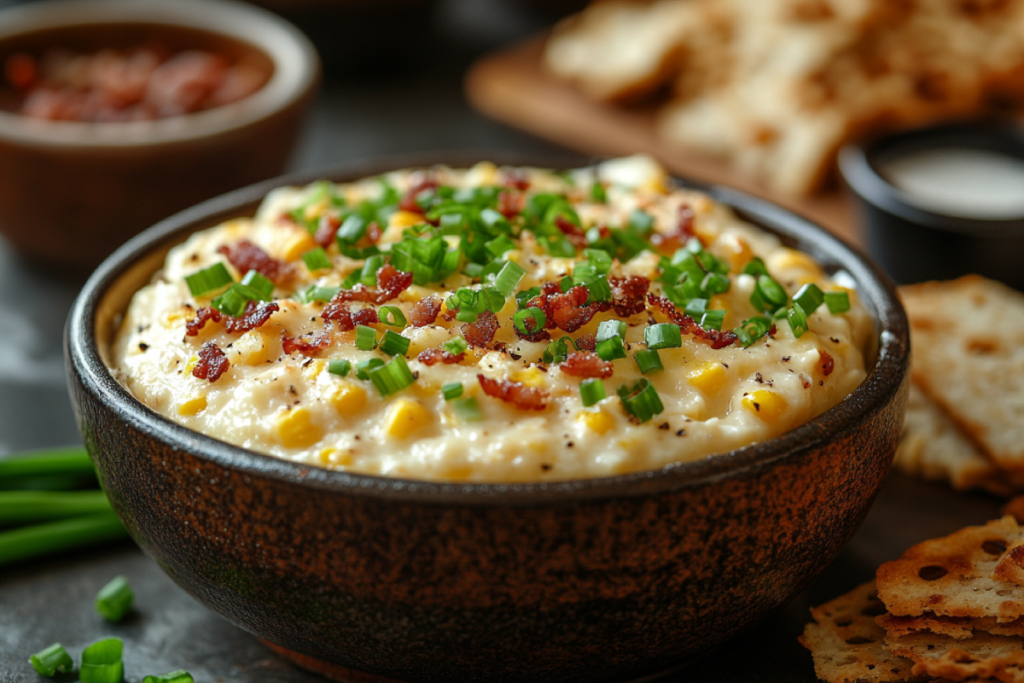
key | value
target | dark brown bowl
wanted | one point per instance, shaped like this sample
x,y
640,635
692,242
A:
x,y
590,580
72,192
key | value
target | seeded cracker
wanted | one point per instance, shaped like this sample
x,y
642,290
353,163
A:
x,y
982,656
959,628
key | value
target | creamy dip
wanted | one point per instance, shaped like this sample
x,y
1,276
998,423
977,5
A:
x,y
524,404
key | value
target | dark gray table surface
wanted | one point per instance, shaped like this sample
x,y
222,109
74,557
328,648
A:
x,y
419,109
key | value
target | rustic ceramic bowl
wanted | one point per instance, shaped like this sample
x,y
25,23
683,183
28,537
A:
x,y
72,192
591,580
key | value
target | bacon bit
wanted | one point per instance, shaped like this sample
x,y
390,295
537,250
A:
x,y
827,364
687,325
572,231
252,317
569,311
511,204
682,234
628,294
482,331
516,179
246,256
516,393
425,311
390,283
586,342
326,230
308,345
373,233
408,202
346,319
203,315
435,356
586,364
212,363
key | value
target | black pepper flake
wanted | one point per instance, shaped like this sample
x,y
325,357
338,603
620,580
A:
x,y
758,378
143,346
757,406
357,437
546,467
726,365
308,361
821,382
664,426
291,390
230,345
542,368
193,257
786,359
681,432
834,340
569,445
514,356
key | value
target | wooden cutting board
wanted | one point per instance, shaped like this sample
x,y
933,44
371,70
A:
x,y
511,86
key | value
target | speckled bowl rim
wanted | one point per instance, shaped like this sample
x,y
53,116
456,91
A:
x,y
880,386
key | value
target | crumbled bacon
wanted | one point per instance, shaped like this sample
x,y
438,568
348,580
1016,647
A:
x,y
586,364
203,315
408,202
567,311
572,231
390,283
212,363
517,179
326,230
308,345
683,232
246,256
586,342
346,319
511,204
826,364
481,332
628,294
718,339
516,393
435,356
425,311
373,233
252,317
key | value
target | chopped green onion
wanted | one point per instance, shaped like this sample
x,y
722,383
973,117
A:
x,y
20,507
797,320
455,346
180,676
663,336
499,245
102,663
467,409
597,193
591,392
351,230
752,329
115,599
558,351
695,308
523,297
611,328
451,390
611,348
558,246
232,302
641,222
641,400
316,259
756,267
368,273
316,293
768,295
809,297
837,302
648,361
599,290
65,466
339,367
260,285
50,660
392,315
712,320
566,283
715,283
394,344
392,377
41,539
208,279
364,367
509,277
534,313
366,338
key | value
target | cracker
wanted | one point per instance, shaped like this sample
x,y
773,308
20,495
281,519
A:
x,y
982,656
954,576
959,628
846,643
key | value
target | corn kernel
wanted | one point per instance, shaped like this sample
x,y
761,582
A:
x,y
404,219
708,378
767,405
313,370
297,245
531,377
295,429
484,173
790,259
172,318
348,398
598,421
405,417
191,364
253,348
326,455
316,208
192,406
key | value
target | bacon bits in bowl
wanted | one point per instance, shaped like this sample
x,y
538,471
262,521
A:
x,y
118,113
472,421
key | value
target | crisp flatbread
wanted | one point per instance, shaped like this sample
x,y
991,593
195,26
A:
x,y
982,656
959,628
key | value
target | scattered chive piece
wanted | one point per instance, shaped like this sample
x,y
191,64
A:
x,y
208,279
71,465
392,315
695,308
339,367
712,320
611,348
797,320
180,676
394,344
752,329
20,507
591,392
41,539
392,377
609,329
260,284
316,259
451,390
558,350
366,338
534,313
809,297
508,277
599,290
648,361
641,222
663,336
115,599
102,663
715,283
231,302
467,409
756,267
771,292
50,660
455,346
315,293
641,400
837,302
364,367
597,193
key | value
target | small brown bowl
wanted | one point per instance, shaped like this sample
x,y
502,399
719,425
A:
x,y
589,580
72,192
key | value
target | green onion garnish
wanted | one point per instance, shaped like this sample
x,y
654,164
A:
x,y
392,377
609,329
599,290
339,367
180,676
756,267
695,308
394,344
641,400
75,532
316,259
208,279
392,315
611,348
509,277
451,390
648,361
351,230
809,297
260,286
663,336
533,313
768,295
364,367
455,346
316,293
797,320
641,222
467,409
753,329
837,302
232,302
47,469
558,350
591,392
597,193
102,663
715,283
366,338
20,507
50,660
712,320
115,599
499,245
